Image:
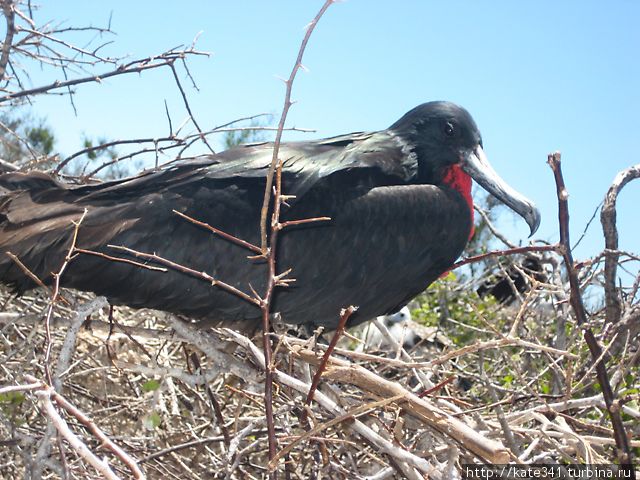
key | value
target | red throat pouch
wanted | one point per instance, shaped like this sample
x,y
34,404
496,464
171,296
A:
x,y
461,182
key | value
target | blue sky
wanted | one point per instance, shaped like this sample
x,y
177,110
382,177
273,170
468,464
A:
x,y
537,77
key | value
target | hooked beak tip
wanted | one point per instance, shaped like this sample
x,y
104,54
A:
x,y
533,220
475,163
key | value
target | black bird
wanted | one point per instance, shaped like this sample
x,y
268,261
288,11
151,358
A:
x,y
503,286
399,201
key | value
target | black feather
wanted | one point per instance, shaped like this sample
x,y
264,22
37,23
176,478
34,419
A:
x,y
394,226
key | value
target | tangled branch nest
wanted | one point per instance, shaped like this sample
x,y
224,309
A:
x,y
515,385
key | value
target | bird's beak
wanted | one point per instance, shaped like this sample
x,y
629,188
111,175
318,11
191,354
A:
x,y
476,165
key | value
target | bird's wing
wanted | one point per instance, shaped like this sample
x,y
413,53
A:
x,y
382,153
305,163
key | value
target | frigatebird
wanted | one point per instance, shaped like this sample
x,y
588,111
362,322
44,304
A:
x,y
399,201
505,286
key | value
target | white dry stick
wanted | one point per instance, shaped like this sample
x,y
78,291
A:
x,y
357,426
64,361
383,474
44,399
426,382
95,326
453,458
233,454
530,449
518,418
69,344
421,408
546,430
225,362
499,343
105,441
20,388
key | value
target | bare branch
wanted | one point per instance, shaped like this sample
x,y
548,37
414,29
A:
x,y
189,271
186,104
9,16
217,231
137,66
344,317
608,220
99,434
78,445
56,293
120,259
357,426
502,253
622,441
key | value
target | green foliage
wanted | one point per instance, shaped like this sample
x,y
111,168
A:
x,y
91,154
235,138
545,383
12,398
41,138
98,156
23,139
11,404
507,380
150,385
448,298
152,421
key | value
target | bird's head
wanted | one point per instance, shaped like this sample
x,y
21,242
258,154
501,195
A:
x,y
448,146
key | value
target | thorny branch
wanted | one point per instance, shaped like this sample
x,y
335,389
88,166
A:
x,y
189,271
400,447
56,292
186,105
281,123
344,317
269,250
217,231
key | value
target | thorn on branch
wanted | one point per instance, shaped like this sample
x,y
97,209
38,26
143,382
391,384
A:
x,y
189,271
217,231
345,314
290,223
281,123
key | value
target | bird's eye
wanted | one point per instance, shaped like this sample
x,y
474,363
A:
x,y
449,130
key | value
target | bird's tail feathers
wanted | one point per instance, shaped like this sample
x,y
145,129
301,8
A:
x,y
36,227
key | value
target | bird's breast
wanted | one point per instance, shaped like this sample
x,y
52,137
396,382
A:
x,y
379,250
